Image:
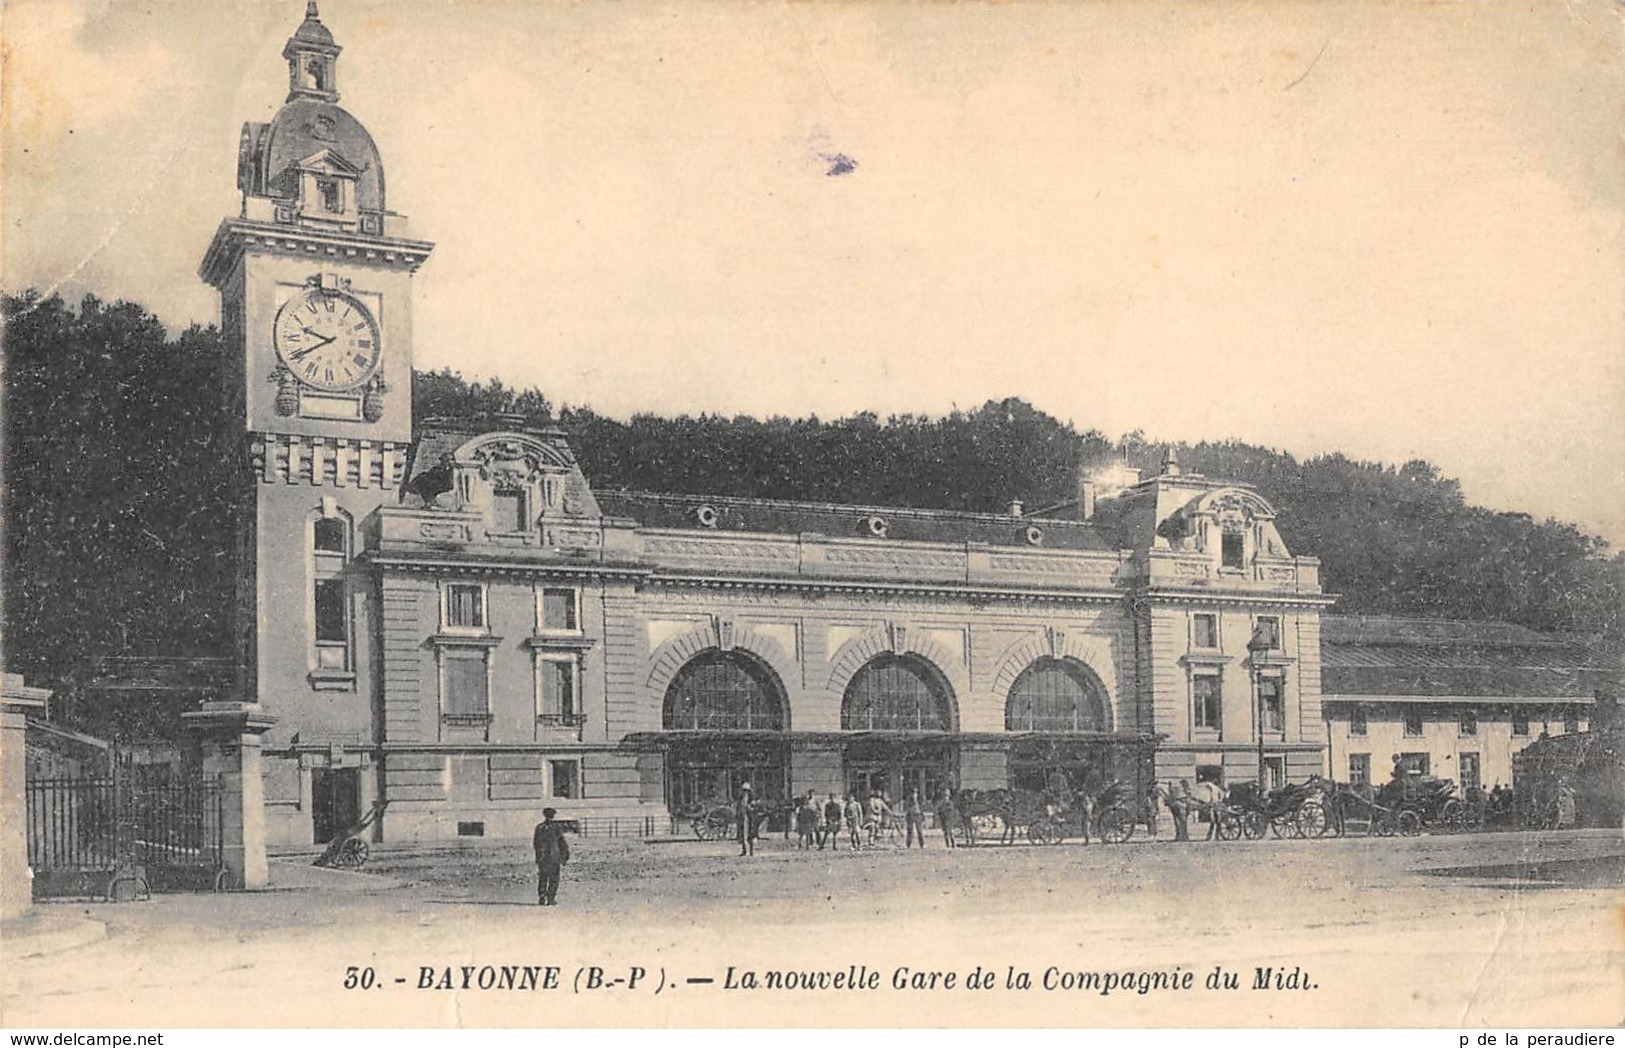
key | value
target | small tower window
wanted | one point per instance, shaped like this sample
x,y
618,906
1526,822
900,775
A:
x,y
331,535
508,511
332,195
1232,551
318,73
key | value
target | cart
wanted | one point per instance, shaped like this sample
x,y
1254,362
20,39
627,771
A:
x,y
348,851
1113,818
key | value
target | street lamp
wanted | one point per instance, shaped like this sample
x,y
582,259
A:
x,y
1260,643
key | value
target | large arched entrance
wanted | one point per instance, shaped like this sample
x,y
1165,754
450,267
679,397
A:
x,y
724,709
901,713
1060,704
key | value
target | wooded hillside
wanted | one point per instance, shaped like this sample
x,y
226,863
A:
x,y
118,470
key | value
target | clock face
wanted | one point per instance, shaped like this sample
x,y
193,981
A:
x,y
327,339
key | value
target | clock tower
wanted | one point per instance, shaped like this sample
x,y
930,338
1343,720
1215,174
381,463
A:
x,y
315,281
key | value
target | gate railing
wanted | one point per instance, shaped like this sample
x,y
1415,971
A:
x,y
79,827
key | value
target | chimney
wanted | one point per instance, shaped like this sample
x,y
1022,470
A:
x,y
1086,500
1170,462
1016,507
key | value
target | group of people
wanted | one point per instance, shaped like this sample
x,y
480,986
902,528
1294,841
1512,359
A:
x,y
861,822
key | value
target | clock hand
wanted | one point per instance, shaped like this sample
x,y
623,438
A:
x,y
301,354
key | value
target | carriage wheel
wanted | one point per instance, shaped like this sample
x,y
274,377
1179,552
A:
x,y
718,824
1385,825
987,826
354,853
1284,826
1229,826
1453,815
1311,821
1253,825
1410,823
1041,833
1116,827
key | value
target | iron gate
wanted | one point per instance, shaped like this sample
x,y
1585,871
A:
x,y
109,839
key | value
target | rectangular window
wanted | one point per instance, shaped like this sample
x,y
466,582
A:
x,y
465,606
463,687
1207,706
1232,551
1413,724
558,690
1268,631
1358,722
566,776
1468,769
1205,632
330,618
1467,724
332,625
508,511
1275,772
330,535
1520,723
1359,768
1420,763
332,196
1270,698
560,611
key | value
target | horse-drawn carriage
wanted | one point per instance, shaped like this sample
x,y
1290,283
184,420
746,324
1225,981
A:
x,y
1293,810
719,820
1046,818
1402,807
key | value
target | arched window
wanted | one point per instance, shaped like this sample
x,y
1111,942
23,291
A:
x,y
897,693
1056,695
724,691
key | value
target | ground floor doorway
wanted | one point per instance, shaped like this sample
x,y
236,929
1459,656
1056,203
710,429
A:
x,y
1067,767
710,772
895,769
335,800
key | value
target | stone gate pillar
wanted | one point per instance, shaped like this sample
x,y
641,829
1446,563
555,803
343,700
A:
x,y
229,734
16,879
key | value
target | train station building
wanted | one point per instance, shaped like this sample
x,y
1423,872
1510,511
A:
x,y
451,616
462,623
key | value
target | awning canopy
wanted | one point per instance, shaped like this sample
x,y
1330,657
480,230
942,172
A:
x,y
665,740
1554,701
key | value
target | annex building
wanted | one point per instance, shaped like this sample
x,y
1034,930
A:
x,y
461,622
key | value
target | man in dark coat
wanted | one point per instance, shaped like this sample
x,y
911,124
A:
x,y
745,821
552,852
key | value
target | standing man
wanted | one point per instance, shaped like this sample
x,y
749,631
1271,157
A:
x,y
552,852
1209,797
832,824
947,818
1179,805
745,821
854,821
914,816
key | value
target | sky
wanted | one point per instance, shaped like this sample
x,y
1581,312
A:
x,y
1394,231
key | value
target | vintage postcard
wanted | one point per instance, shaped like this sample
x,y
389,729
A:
x,y
812,515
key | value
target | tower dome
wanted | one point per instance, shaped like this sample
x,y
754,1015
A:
x,y
313,146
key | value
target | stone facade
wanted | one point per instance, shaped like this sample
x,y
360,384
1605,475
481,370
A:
x,y
464,627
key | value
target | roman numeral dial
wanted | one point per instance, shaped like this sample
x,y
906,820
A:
x,y
328,339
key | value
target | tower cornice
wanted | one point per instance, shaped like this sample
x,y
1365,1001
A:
x,y
235,236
